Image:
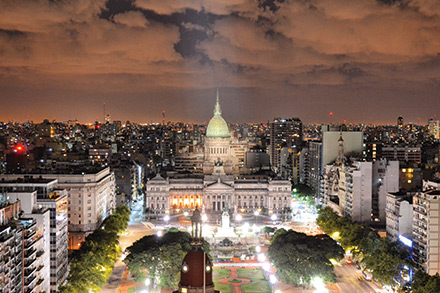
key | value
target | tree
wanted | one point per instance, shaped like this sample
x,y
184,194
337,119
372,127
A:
x,y
277,233
424,283
92,264
382,257
160,257
327,220
266,230
298,258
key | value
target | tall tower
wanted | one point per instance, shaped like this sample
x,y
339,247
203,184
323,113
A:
x,y
284,133
341,158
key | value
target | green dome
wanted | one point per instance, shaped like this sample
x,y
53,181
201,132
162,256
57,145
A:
x,y
217,127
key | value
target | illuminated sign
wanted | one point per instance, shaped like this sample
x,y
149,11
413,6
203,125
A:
x,y
405,241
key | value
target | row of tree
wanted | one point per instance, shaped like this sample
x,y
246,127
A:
x,y
384,258
299,258
92,264
160,258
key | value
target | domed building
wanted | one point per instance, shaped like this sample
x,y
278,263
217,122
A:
x,y
222,185
218,157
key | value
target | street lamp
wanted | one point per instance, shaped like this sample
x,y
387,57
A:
x,y
166,218
147,282
273,217
256,213
272,279
204,218
238,218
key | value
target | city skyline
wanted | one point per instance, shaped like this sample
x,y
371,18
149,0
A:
x,y
364,62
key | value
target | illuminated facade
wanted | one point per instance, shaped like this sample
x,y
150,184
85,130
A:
x,y
218,188
214,193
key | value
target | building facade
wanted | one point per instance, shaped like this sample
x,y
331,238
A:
x,y
220,187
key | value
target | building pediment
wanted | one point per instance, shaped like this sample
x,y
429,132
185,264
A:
x,y
219,185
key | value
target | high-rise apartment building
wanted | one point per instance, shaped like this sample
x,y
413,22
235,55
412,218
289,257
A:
x,y
21,251
434,128
284,133
359,190
399,215
426,249
47,206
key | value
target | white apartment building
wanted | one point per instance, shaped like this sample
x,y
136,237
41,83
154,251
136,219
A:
x,y
48,206
359,190
22,255
426,247
56,203
399,215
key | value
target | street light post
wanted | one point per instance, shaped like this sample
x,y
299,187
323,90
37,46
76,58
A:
x,y
256,213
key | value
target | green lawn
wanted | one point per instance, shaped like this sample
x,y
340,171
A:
x,y
255,274
221,274
259,282
256,286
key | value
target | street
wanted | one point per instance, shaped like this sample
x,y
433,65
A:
x,y
137,228
347,275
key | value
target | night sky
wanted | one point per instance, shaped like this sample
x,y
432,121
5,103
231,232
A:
x,y
364,60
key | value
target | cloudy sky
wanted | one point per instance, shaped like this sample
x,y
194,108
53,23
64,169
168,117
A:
x,y
363,60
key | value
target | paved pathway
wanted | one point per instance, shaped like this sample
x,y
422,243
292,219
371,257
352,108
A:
x,y
236,287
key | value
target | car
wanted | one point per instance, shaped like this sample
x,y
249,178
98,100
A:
x,y
349,262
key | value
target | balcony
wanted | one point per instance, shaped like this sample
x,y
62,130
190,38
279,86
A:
x,y
29,244
30,282
29,272
30,253
29,234
29,263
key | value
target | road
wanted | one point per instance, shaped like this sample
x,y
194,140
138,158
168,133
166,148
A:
x,y
348,280
137,228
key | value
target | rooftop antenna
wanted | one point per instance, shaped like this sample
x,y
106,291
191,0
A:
x,y
104,110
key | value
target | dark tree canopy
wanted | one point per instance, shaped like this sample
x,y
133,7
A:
x,y
298,258
160,258
378,255
92,264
